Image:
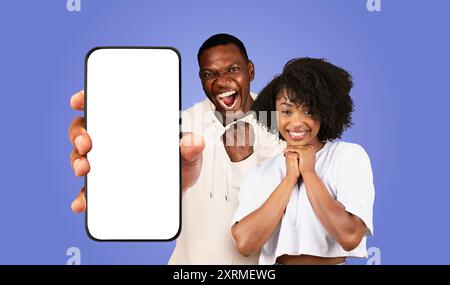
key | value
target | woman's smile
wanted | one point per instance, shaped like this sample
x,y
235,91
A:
x,y
297,135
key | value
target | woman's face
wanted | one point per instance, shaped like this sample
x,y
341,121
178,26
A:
x,y
295,124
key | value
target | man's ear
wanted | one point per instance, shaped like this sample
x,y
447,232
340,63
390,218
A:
x,y
251,70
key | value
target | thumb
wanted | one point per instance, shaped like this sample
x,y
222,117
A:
x,y
191,146
79,204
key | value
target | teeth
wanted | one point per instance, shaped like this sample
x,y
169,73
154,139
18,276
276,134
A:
x,y
226,94
297,134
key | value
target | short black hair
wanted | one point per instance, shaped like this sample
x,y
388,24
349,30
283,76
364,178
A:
x,y
317,85
222,39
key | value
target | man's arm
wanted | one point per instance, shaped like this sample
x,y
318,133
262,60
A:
x,y
191,147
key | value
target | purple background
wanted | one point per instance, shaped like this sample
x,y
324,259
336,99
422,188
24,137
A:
x,y
399,59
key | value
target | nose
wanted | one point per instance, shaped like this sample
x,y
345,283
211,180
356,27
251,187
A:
x,y
296,121
222,81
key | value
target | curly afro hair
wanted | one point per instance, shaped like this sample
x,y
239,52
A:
x,y
319,86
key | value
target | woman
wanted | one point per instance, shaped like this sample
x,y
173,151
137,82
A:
x,y
311,204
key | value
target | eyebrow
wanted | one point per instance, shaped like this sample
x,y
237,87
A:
x,y
287,103
228,67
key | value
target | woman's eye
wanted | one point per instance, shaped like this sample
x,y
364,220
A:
x,y
308,113
285,112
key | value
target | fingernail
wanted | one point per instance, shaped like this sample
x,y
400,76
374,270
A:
x,y
75,163
77,141
74,206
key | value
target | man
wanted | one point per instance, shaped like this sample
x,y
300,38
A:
x,y
221,144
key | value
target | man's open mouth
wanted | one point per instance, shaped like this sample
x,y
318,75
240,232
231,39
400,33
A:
x,y
228,99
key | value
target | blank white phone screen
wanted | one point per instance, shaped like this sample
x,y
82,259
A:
x,y
132,116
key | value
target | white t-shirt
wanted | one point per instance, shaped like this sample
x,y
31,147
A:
x,y
346,172
208,206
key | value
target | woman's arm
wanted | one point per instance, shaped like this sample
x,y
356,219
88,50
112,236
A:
x,y
252,232
347,229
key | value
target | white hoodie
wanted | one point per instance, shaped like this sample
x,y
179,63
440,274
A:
x,y
208,206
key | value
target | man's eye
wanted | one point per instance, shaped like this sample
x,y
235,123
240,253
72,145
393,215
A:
x,y
207,75
234,69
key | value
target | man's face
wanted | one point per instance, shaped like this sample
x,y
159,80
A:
x,y
226,76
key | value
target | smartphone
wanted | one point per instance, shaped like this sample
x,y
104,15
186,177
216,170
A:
x,y
132,113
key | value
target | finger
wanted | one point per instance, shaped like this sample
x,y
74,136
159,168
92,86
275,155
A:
x,y
301,148
76,128
292,155
192,139
79,204
79,136
297,147
250,134
79,163
230,136
83,143
77,101
292,150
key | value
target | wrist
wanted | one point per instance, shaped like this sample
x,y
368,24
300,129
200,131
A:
x,y
193,161
291,179
309,173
